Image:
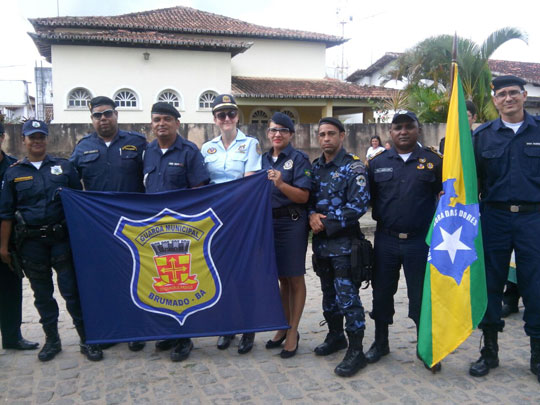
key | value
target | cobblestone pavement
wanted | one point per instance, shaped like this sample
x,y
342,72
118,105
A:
x,y
210,376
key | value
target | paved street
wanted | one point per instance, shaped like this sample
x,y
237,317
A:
x,y
211,376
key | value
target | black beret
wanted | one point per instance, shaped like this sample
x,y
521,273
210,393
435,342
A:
x,y
284,120
332,121
166,109
101,100
409,114
507,80
224,101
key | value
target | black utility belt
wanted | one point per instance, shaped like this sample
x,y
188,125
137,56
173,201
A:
x,y
56,231
514,207
399,235
292,211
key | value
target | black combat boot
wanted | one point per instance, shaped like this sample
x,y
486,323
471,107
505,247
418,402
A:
x,y
380,346
489,354
92,352
52,345
335,339
354,359
535,357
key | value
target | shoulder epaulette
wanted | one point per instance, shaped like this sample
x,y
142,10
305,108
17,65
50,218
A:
x,y
377,154
136,134
83,138
483,126
354,156
434,150
304,154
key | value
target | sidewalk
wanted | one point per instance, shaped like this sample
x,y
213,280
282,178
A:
x,y
211,376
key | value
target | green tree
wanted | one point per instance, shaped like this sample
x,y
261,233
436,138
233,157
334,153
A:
x,y
426,69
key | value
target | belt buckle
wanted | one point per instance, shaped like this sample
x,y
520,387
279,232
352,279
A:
x,y
403,235
514,208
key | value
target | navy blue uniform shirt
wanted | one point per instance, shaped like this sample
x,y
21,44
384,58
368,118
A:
x,y
181,166
340,191
34,192
5,163
508,164
295,170
404,194
118,167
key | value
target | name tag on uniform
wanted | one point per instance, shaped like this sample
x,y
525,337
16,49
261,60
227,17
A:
x,y
129,147
532,143
25,178
384,170
176,164
88,152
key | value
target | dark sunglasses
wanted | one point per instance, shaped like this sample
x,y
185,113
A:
x,y
106,113
231,114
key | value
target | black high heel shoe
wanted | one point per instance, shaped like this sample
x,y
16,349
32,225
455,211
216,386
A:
x,y
285,354
272,344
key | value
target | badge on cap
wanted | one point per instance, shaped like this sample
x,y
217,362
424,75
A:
x,y
56,170
288,164
226,99
36,124
211,151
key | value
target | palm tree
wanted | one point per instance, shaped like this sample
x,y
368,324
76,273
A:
x,y
426,69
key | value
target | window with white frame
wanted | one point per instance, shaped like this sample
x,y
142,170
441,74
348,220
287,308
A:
x,y
260,116
171,97
126,98
206,99
79,98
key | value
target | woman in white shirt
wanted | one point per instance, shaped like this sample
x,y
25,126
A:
x,y
375,147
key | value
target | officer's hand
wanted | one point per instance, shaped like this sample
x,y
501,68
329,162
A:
x,y
275,176
315,222
4,254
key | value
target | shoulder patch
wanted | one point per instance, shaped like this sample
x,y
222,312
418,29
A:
x,y
377,154
357,167
434,150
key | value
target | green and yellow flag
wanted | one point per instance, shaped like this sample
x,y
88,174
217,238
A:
x,y
455,296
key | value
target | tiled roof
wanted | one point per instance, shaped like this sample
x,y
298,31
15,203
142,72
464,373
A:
x,y
378,64
527,71
44,40
183,20
253,87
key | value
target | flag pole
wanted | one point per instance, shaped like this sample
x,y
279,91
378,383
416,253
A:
x,y
454,62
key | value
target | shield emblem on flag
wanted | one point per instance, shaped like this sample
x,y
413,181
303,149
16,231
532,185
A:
x,y
173,271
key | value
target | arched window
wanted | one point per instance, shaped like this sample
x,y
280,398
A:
x,y
206,99
291,112
79,98
126,98
260,116
171,97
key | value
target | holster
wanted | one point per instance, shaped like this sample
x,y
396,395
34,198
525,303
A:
x,y
362,261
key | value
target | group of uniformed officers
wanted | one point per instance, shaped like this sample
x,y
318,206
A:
x,y
401,184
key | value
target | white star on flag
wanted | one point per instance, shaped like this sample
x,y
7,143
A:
x,y
452,243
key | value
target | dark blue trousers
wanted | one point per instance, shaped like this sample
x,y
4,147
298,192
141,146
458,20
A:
x,y
340,294
10,305
38,256
503,231
390,254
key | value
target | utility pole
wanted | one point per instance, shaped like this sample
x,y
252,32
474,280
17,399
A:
x,y
343,20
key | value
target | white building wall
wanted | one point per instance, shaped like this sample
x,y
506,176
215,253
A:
x,y
281,59
105,70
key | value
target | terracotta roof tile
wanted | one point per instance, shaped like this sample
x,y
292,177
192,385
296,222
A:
x,y
253,87
526,70
183,20
124,38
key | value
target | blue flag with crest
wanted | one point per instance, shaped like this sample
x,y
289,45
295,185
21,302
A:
x,y
186,263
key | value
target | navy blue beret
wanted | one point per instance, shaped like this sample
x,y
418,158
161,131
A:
x,y
284,120
332,121
507,80
165,109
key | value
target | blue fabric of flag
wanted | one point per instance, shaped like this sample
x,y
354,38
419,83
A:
x,y
186,263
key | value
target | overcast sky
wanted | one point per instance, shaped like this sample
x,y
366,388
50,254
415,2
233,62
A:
x,y
376,27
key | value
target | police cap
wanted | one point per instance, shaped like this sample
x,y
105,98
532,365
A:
x,y
33,126
332,121
101,100
165,109
284,120
507,80
224,101
401,114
